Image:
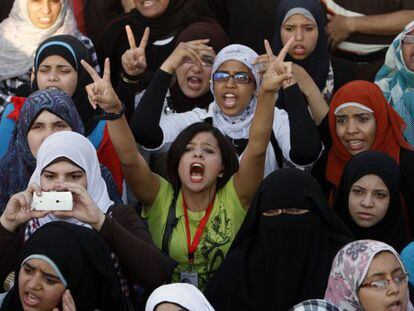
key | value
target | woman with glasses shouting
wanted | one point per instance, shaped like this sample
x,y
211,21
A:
x,y
235,84
368,275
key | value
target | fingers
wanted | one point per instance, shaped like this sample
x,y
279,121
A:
x,y
89,69
34,188
107,70
144,39
329,16
67,302
268,49
285,49
39,214
90,90
130,36
63,214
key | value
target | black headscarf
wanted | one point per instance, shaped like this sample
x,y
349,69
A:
x,y
114,42
72,50
392,229
82,257
278,261
317,63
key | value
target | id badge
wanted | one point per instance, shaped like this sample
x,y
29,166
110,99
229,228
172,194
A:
x,y
190,278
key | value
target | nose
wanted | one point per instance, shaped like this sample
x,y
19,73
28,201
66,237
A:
x,y
367,201
46,7
230,83
198,153
53,75
34,282
298,34
352,127
393,288
196,68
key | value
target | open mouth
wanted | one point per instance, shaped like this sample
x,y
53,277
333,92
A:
x,y
355,144
196,172
395,306
148,3
299,50
52,87
229,100
30,299
194,83
45,20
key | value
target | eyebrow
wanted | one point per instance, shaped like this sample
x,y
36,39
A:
x,y
43,272
59,66
383,273
354,115
68,173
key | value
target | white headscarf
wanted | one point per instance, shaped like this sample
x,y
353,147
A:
x,y
79,150
235,126
19,37
185,295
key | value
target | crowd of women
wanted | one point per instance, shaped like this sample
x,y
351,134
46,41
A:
x,y
203,175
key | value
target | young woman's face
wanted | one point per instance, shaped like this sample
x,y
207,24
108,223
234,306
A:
x,y
45,125
44,13
193,79
201,163
231,97
40,288
55,72
408,53
151,8
166,306
304,31
385,266
368,200
61,172
355,128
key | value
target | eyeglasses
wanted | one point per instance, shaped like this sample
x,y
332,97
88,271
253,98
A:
x,y
238,77
407,39
384,284
207,59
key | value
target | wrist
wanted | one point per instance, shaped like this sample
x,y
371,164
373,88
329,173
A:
x,y
98,224
9,226
167,68
352,23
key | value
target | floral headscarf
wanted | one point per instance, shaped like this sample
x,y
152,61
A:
x,y
349,269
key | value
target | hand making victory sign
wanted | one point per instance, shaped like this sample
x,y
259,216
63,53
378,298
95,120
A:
x,y
133,60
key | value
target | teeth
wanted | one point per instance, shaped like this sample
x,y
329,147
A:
x,y
32,297
197,165
228,95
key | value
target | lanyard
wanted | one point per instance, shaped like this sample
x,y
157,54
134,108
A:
x,y
192,247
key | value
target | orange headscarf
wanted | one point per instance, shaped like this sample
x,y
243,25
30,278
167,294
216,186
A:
x,y
389,132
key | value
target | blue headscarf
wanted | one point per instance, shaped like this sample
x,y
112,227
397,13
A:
x,y
397,83
18,163
318,62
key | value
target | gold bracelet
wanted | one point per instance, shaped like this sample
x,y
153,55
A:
x,y
129,81
9,282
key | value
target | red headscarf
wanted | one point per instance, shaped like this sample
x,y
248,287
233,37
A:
x,y
390,126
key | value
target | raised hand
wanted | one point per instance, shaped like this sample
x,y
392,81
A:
x,y
100,92
84,208
277,72
192,50
133,60
68,304
19,209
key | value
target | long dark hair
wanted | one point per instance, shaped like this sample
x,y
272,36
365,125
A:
x,y
228,154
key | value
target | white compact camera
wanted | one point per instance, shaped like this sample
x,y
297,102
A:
x,y
53,201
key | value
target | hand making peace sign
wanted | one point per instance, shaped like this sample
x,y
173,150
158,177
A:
x,y
100,92
133,60
277,72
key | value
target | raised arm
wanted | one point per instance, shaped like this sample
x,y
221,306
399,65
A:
x,y
143,182
250,174
145,123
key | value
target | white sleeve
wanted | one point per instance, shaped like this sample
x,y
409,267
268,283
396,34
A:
x,y
281,129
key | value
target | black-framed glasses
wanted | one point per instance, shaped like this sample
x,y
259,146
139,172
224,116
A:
x,y
238,77
399,280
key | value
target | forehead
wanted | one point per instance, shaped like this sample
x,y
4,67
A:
x,y
55,60
204,137
383,262
48,117
62,166
233,65
371,180
298,19
352,110
41,265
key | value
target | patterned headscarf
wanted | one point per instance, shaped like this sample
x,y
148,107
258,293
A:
x,y
315,305
349,270
397,83
18,163
236,126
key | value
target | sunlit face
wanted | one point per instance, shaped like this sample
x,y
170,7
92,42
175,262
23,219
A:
x,y
231,97
369,199
44,13
355,128
194,79
45,125
201,163
167,306
408,53
61,172
40,289
384,266
304,31
151,8
55,72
